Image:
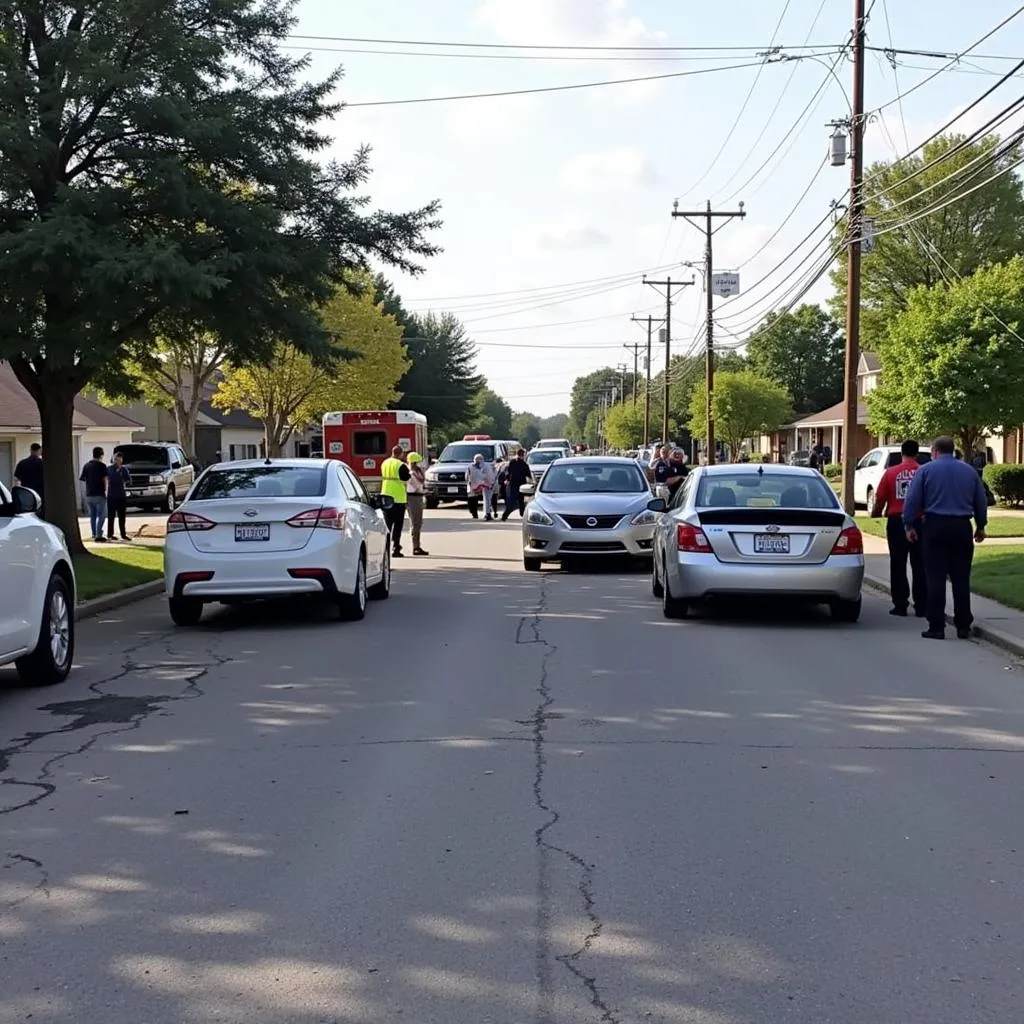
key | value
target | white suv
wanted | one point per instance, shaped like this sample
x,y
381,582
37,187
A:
x,y
37,592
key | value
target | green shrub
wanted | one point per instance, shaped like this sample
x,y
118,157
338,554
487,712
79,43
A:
x,y
834,471
1006,482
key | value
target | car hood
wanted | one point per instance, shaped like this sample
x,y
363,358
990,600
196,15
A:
x,y
453,467
593,504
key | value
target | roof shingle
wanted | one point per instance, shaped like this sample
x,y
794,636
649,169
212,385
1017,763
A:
x,y
18,410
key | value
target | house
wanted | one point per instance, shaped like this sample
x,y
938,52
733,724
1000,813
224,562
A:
x,y
826,427
93,426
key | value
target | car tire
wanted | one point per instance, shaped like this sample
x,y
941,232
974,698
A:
x,y
352,607
657,587
845,611
382,591
51,661
171,501
672,607
432,502
868,496
531,564
185,611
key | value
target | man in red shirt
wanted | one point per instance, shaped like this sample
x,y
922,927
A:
x,y
889,498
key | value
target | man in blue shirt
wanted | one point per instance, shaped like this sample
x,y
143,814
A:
x,y
947,493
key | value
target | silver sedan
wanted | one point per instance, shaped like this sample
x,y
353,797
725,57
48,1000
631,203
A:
x,y
596,507
758,530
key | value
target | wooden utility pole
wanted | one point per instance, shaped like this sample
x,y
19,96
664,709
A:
x,y
668,284
709,352
635,349
854,243
649,320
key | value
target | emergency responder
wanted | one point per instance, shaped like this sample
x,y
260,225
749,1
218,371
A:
x,y
946,493
394,475
415,491
889,498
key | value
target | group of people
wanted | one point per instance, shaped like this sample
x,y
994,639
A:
x,y
106,494
668,470
928,511
482,479
405,483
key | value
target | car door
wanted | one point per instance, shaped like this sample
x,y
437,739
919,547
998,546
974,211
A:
x,y
21,552
667,523
371,521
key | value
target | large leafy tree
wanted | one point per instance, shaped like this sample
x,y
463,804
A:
x,y
588,390
745,405
163,158
526,427
953,361
554,426
624,425
803,351
970,230
491,415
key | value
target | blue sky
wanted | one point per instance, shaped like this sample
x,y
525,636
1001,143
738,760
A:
x,y
560,201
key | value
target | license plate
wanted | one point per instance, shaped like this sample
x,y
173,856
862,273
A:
x,y
452,490
259,531
771,544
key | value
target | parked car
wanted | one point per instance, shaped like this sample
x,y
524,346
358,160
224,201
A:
x,y
872,467
275,528
539,459
799,458
37,592
757,530
600,507
161,474
446,478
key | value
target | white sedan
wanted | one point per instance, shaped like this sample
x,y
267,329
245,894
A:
x,y
274,528
37,592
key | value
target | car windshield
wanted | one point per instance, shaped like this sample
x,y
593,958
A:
x,y
543,457
593,478
765,490
142,453
261,482
466,452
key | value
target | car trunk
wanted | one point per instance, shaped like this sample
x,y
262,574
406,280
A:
x,y
782,536
251,525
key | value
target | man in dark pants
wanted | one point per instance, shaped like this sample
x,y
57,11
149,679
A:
x,y
118,478
517,473
889,499
946,493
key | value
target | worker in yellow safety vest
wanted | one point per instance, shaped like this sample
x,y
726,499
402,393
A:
x,y
394,474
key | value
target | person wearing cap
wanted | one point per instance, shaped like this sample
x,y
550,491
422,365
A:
x,y
415,493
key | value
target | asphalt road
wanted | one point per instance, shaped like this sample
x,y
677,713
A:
x,y
513,799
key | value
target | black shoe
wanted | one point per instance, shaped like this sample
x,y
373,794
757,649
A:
x,y
488,519
100,540
901,612
397,554
420,551
934,634
965,634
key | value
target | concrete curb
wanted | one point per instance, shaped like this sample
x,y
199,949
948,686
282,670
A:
x,y
1007,641
120,598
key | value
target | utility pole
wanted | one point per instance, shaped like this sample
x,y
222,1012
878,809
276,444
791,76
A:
x,y
709,216
635,349
622,368
668,284
649,320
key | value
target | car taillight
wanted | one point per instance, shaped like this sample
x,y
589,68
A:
x,y
690,538
328,518
849,542
179,522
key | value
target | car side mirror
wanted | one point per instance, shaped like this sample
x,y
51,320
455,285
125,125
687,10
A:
x,y
657,505
25,501
384,502
527,489
175,465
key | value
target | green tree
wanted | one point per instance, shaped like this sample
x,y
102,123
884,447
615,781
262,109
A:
x,y
526,427
745,405
985,226
953,362
162,158
491,415
591,429
624,425
587,391
554,426
803,351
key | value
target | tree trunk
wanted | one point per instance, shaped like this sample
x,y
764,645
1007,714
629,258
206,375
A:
x,y
185,424
56,403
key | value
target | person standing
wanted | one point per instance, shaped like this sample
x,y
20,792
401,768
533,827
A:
x,y
29,472
518,474
395,475
889,501
415,493
118,478
946,493
94,476
480,484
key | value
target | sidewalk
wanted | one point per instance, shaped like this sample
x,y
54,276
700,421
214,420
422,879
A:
x,y
992,621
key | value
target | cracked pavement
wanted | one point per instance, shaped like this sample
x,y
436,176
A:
x,y
512,798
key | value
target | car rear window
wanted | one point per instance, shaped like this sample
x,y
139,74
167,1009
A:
x,y
261,482
593,478
142,453
540,457
765,490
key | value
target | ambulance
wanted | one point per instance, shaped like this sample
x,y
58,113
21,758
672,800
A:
x,y
363,440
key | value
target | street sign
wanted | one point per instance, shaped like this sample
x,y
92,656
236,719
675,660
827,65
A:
x,y
867,234
725,285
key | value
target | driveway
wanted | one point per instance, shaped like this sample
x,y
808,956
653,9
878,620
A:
x,y
510,798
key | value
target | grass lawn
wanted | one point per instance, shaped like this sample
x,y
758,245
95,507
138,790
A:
x,y
109,569
998,526
999,574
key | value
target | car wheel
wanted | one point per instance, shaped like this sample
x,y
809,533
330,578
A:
x,y
672,607
51,661
432,502
382,591
657,587
352,607
185,611
171,501
531,564
868,497
845,611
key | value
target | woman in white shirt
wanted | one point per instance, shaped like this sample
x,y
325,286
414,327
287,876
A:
x,y
480,481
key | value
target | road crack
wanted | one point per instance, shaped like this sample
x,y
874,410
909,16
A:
x,y
529,633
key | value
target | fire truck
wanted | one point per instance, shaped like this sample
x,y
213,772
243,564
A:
x,y
363,440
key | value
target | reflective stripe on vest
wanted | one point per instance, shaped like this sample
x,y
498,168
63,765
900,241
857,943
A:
x,y
391,483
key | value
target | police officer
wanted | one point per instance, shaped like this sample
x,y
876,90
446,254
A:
x,y
946,493
394,474
889,499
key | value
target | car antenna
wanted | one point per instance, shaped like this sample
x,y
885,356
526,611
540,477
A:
x,y
266,461
760,470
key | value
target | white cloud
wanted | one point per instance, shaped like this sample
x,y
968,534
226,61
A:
x,y
490,120
609,170
573,234
565,22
